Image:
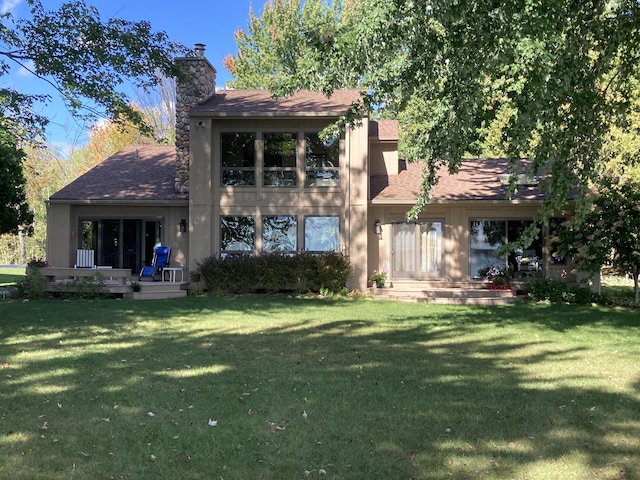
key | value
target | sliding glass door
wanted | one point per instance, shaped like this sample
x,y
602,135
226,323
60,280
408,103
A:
x,y
417,250
121,243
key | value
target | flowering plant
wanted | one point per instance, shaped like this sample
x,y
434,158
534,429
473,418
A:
x,y
378,277
37,263
498,276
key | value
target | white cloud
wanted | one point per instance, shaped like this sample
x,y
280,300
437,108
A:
x,y
27,70
9,5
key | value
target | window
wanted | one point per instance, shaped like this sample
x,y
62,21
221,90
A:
x,y
487,236
555,241
237,234
321,234
279,234
237,157
279,160
322,167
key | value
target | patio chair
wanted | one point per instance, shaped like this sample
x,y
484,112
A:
x,y
158,263
530,263
85,259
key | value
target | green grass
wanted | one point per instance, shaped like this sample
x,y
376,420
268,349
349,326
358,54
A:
x,y
11,275
390,390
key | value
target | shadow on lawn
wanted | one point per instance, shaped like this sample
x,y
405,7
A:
x,y
424,400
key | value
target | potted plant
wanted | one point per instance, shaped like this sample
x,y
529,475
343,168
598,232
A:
x,y
135,286
499,278
35,264
378,278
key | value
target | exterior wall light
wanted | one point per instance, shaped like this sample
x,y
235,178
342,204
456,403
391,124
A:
x,y
377,227
183,225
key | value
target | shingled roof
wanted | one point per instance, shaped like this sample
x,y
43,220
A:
x,y
477,180
260,103
135,173
383,129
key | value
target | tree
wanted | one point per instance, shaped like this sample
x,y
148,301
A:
x,y
158,107
14,214
87,60
276,45
621,145
609,233
556,74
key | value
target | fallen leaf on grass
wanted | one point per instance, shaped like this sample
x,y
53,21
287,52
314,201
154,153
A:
x,y
85,454
213,423
151,414
186,457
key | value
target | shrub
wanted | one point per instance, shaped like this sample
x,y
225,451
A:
x,y
272,273
557,291
34,284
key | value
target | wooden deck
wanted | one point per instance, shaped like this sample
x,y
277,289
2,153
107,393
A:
x,y
112,281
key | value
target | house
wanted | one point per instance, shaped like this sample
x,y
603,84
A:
x,y
249,173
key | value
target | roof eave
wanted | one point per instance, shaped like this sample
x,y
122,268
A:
x,y
245,115
459,202
133,203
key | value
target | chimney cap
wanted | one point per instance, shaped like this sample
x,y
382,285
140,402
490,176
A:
x,y
199,49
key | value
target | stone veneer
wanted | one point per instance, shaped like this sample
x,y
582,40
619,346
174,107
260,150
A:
x,y
197,86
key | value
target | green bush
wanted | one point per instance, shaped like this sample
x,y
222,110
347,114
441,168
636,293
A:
x,y
557,291
273,273
34,284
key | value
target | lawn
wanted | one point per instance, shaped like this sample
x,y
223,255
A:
x,y
11,275
286,388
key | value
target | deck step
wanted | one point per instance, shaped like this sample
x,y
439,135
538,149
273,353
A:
x,y
158,291
454,296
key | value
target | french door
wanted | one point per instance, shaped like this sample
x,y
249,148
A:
x,y
417,250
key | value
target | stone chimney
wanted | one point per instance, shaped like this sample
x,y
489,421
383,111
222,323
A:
x,y
197,85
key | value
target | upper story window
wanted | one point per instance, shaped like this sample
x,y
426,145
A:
x,y
322,168
237,157
280,159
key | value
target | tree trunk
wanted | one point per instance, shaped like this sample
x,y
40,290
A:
x,y
23,247
636,293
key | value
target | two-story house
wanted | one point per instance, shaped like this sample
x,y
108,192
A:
x,y
249,173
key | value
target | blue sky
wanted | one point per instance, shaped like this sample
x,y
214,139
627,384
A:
x,y
212,22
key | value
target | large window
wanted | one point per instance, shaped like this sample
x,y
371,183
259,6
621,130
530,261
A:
x,y
321,234
237,157
486,238
279,234
279,159
322,168
237,234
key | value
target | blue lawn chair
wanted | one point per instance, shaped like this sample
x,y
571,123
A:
x,y
160,260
